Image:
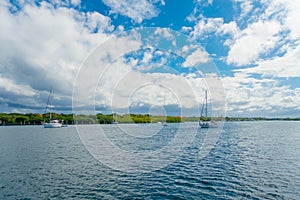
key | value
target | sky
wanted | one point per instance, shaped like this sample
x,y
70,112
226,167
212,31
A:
x,y
151,56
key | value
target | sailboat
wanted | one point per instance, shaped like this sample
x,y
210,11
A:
x,y
204,121
114,119
53,123
165,121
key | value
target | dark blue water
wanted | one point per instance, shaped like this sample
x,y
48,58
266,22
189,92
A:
x,y
251,160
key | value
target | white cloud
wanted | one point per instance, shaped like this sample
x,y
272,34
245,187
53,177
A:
x,y
75,2
98,21
45,45
254,90
148,55
206,2
164,32
292,19
138,10
265,35
67,3
129,80
271,29
120,85
105,66
248,96
4,3
186,29
284,67
230,28
149,88
206,25
18,89
121,74
256,39
246,6
269,43
123,88
199,56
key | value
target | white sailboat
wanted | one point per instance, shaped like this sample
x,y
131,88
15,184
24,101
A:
x,y
114,119
204,121
164,123
53,123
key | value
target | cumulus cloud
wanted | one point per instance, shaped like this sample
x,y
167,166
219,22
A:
x,y
245,6
132,89
253,41
291,20
275,30
68,3
43,45
206,26
199,56
138,10
122,85
21,90
267,28
264,40
280,67
249,96
132,75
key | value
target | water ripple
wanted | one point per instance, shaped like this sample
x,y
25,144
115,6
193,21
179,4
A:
x,y
252,160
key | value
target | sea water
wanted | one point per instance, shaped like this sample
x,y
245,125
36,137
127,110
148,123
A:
x,y
249,160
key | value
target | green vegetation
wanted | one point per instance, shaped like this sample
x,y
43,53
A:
x,y
36,118
261,119
135,118
205,118
32,118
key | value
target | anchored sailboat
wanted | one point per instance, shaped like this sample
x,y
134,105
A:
x,y
53,123
165,121
205,121
114,119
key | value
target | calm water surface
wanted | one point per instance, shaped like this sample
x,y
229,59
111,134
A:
x,y
251,160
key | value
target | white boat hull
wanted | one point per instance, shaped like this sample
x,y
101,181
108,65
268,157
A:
x,y
53,124
208,124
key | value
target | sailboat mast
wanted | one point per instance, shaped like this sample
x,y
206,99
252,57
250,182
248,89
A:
x,y
165,108
50,109
206,104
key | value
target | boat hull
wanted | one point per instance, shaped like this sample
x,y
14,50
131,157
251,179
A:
x,y
48,125
209,124
53,124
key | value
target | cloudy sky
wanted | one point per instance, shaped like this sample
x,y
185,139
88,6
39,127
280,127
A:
x,y
96,54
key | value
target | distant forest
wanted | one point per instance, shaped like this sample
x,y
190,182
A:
x,y
37,118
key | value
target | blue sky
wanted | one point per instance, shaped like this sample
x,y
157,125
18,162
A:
x,y
249,49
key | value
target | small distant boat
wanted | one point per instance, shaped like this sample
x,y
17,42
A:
x,y
208,124
164,123
53,123
114,119
205,121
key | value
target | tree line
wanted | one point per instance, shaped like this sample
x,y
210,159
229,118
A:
x,y
37,118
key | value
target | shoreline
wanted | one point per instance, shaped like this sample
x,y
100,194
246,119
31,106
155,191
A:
x,y
74,124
